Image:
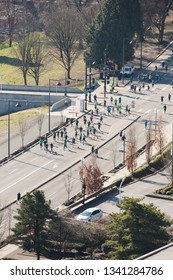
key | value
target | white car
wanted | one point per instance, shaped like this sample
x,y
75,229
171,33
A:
x,y
90,214
128,70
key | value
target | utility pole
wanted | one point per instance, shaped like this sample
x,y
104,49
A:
x,y
172,153
105,72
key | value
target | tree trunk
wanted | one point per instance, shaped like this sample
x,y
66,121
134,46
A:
x,y
68,73
25,78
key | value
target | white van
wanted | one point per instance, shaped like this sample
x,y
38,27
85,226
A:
x,y
128,70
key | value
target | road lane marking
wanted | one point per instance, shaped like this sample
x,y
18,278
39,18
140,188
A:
x,y
26,176
51,195
33,159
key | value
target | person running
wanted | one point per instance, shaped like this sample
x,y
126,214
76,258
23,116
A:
x,y
62,133
71,122
96,152
84,138
77,122
115,102
41,143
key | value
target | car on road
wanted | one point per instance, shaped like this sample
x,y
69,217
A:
x,y
90,214
128,70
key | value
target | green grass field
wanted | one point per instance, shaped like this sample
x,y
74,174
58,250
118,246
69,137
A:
x,y
10,73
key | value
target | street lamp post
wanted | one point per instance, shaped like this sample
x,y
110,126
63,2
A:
x,y
124,150
122,181
141,46
49,108
105,72
83,182
172,153
155,123
8,128
49,101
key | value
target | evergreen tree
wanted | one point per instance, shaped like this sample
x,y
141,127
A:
x,y
115,21
30,229
136,230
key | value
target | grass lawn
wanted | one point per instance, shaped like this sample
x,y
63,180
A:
x,y
10,73
25,115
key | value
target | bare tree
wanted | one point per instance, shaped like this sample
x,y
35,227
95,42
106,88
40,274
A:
x,y
63,30
22,128
160,140
92,175
155,12
37,56
23,53
149,142
131,151
39,120
68,183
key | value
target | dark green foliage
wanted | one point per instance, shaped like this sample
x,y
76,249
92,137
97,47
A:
x,y
30,229
116,20
136,230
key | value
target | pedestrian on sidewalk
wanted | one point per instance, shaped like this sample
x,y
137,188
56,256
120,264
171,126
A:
x,y
57,134
92,150
169,97
54,136
146,123
164,108
99,125
123,137
121,134
104,103
161,98
51,147
101,118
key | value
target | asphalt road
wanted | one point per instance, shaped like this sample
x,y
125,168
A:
x,y
37,166
139,189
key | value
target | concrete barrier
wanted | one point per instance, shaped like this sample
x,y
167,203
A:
x,y
65,102
56,89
